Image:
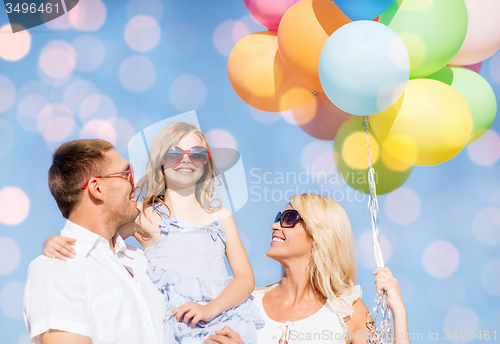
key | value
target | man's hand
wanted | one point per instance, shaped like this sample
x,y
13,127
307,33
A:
x,y
224,336
195,312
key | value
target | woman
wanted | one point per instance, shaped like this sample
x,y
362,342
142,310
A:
x,y
316,301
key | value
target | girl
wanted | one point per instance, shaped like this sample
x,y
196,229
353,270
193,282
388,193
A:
x,y
185,233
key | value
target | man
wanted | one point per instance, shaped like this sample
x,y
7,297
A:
x,y
103,295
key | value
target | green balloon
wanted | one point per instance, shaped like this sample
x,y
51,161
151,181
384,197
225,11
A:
x,y
350,156
476,91
432,30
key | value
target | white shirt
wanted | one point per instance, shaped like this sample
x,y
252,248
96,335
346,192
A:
x,y
94,294
326,326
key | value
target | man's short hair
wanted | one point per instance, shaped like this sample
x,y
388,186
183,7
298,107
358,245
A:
x,y
72,164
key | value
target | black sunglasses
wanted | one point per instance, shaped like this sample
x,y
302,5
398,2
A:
x,y
288,218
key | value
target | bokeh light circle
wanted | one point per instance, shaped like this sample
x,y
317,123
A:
x,y
218,138
311,152
76,92
11,300
55,122
90,53
188,92
97,106
364,248
227,34
57,59
402,206
28,109
142,33
99,129
9,255
179,39
486,226
137,74
89,15
7,93
288,117
14,206
490,277
447,293
440,259
460,319
124,131
14,46
486,150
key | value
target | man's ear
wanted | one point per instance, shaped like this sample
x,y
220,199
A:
x,y
95,189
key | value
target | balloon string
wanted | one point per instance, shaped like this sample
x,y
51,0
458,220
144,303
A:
x,y
378,332
373,203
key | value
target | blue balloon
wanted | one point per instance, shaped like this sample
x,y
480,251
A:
x,y
364,67
363,9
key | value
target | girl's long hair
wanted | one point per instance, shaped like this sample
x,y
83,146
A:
x,y
154,186
332,268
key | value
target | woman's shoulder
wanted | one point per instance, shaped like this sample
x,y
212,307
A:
x,y
259,292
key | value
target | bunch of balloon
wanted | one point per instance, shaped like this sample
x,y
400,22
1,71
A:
x,y
277,70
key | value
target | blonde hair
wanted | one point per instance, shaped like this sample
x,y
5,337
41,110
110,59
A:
x,y
332,268
154,186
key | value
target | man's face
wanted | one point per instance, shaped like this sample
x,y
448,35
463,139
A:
x,y
119,191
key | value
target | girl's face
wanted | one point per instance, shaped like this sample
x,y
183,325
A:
x,y
289,244
185,174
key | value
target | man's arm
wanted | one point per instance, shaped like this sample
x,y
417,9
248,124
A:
x,y
61,337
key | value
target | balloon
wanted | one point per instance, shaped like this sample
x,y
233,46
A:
x,y
364,67
475,67
350,155
319,118
363,9
428,125
268,13
477,93
303,31
259,77
483,33
433,31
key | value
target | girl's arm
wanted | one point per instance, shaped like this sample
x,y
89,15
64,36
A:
x,y
59,247
237,291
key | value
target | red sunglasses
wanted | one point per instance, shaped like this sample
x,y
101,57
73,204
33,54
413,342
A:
x,y
128,175
198,155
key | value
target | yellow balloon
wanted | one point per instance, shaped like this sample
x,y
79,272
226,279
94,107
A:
x,y
430,124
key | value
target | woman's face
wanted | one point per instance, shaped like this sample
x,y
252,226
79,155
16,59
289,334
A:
x,y
185,174
290,244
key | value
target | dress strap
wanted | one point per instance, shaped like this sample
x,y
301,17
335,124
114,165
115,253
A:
x,y
216,216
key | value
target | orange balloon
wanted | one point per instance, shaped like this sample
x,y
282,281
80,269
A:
x,y
302,33
259,77
319,117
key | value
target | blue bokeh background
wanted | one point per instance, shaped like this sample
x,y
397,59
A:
x,y
440,231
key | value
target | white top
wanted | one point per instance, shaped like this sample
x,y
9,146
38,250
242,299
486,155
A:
x,y
325,326
94,294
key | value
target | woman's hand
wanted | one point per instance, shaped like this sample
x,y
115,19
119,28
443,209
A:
x,y
59,247
224,336
384,280
195,312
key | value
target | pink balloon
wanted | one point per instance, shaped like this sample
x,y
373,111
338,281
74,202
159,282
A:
x,y
475,67
483,32
319,118
269,12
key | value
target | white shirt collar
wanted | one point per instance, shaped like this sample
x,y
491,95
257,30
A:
x,y
86,240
